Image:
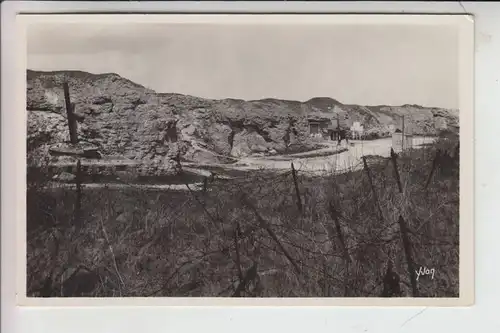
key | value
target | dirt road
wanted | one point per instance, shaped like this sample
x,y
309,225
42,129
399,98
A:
x,y
337,163
349,159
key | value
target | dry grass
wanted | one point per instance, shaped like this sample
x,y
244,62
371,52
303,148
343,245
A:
x,y
247,236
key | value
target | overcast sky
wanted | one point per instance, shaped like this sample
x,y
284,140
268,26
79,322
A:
x,y
368,65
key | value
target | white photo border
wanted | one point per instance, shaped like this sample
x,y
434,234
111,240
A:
x,y
486,99
464,25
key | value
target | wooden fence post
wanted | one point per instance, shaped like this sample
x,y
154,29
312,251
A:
x,y
404,232
250,275
434,165
409,257
72,125
297,191
205,184
334,214
391,282
396,171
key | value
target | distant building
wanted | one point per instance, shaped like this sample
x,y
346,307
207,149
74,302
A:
x,y
357,130
314,127
321,129
325,128
330,125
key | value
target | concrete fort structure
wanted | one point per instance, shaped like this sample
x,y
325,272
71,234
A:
x,y
328,126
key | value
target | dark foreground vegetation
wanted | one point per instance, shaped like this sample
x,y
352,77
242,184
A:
x,y
259,235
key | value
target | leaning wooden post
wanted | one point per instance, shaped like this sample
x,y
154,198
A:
x,y
435,163
72,125
297,191
396,171
409,257
347,260
250,275
391,282
404,232
205,184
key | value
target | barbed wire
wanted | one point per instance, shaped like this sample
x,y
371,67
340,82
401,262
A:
x,y
306,241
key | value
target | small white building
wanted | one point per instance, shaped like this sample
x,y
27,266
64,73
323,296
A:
x,y
357,130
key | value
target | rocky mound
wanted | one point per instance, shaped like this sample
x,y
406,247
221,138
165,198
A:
x,y
122,118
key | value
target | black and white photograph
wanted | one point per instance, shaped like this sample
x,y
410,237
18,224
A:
x,y
244,157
